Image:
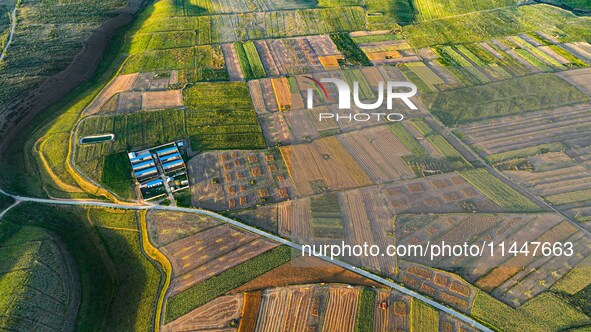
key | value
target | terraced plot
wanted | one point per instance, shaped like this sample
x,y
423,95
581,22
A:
x,y
513,279
545,151
38,284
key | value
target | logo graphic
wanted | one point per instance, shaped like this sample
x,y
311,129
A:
x,y
318,87
344,92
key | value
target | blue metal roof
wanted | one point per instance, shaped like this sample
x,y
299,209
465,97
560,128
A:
x,y
154,183
140,158
145,171
170,156
173,163
166,151
142,165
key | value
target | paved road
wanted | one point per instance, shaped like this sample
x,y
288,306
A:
x,y
369,275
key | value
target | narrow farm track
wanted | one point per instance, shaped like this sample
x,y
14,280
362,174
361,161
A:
x,y
270,236
12,28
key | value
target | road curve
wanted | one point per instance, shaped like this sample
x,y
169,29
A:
x,y
465,318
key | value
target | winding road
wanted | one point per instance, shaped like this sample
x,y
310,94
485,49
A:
x,y
463,317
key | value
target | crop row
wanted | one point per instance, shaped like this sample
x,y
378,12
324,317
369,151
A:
x,y
499,192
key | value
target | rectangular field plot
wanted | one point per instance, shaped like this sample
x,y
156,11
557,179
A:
x,y
274,316
119,84
214,314
291,56
581,78
389,52
327,220
445,287
379,153
444,193
162,99
321,165
239,179
221,116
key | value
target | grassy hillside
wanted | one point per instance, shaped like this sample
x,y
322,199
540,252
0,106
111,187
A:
x,y
118,284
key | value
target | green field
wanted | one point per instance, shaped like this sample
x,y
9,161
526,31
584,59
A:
x,y
507,198
545,312
444,147
132,131
30,261
423,317
250,62
527,152
376,38
209,65
388,14
575,280
118,284
436,9
570,197
221,116
213,287
353,54
549,310
327,218
468,73
355,75
365,311
117,175
422,126
407,140
523,94
258,71
243,58
482,26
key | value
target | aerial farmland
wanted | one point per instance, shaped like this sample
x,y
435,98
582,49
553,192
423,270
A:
x,y
176,165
